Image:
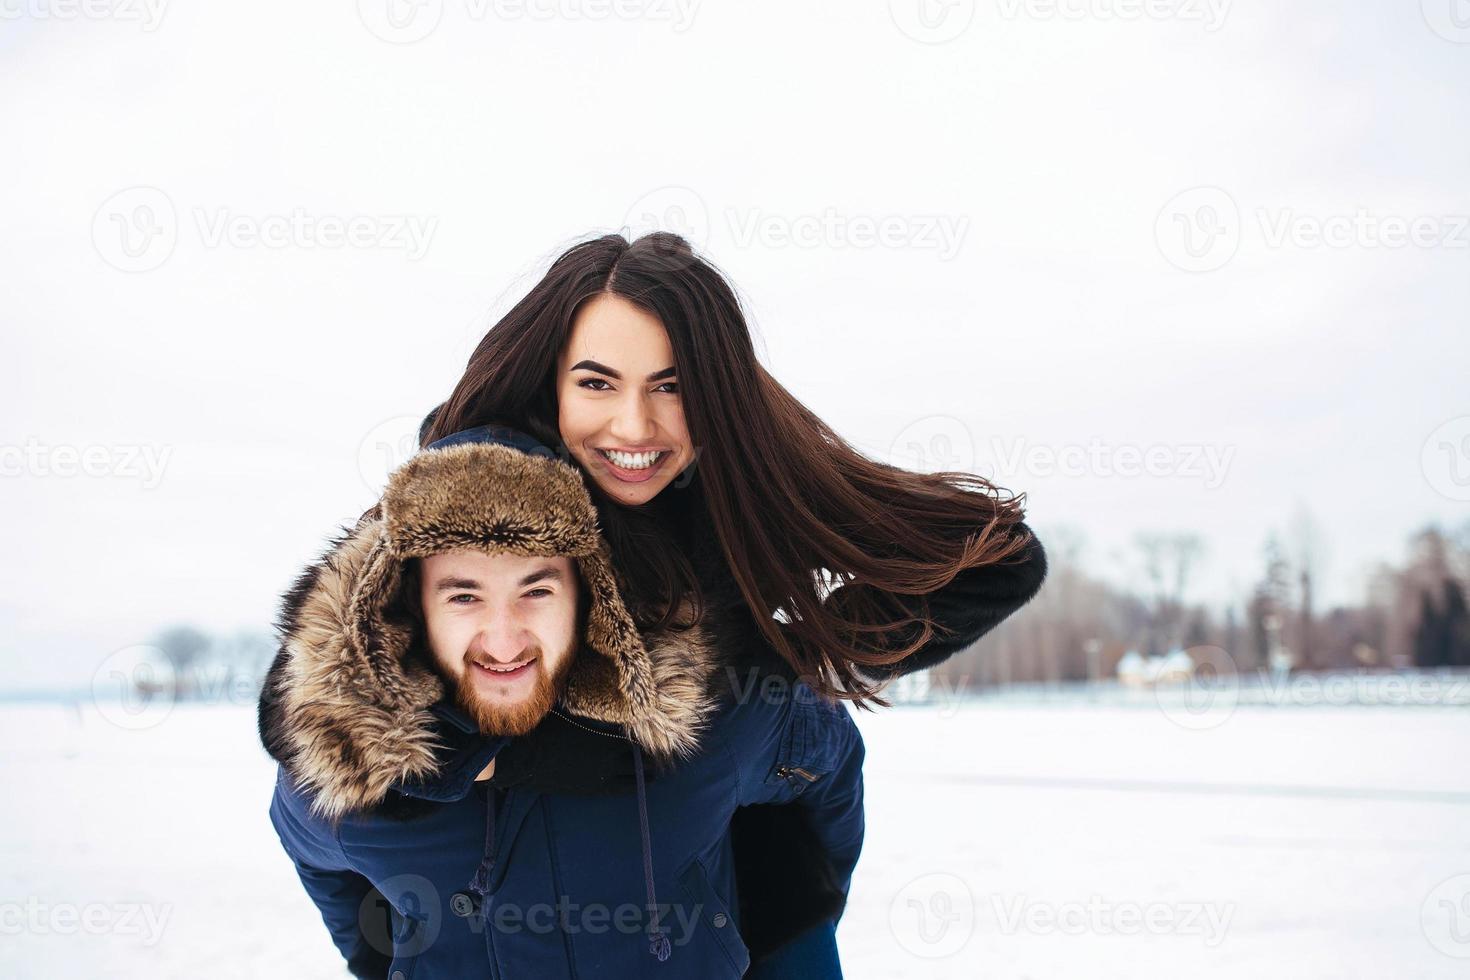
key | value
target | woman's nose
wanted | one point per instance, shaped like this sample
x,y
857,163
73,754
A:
x,y
633,424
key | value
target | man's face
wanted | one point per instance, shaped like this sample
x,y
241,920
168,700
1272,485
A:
x,y
503,632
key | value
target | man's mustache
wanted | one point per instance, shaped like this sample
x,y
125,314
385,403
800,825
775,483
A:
x,y
490,663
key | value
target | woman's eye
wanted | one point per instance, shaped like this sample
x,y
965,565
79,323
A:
x,y
672,387
589,382
454,599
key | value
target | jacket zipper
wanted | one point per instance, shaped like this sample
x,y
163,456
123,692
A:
x,y
621,738
785,771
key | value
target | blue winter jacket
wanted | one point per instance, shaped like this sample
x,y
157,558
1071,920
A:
x,y
420,872
565,893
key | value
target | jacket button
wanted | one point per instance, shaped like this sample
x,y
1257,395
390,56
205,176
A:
x,y
720,920
397,975
462,904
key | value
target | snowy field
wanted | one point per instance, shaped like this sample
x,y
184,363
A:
x,y
1006,841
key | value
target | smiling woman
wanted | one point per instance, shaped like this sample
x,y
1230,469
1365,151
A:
x,y
624,423
715,484
717,489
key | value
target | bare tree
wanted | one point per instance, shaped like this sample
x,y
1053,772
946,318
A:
x,y
1270,599
1308,555
1168,559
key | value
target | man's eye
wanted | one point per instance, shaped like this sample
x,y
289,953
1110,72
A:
x,y
589,382
538,593
454,599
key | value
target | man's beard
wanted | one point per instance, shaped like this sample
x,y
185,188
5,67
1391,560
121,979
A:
x,y
518,718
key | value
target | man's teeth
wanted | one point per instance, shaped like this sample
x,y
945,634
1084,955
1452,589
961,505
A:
x,y
632,461
503,670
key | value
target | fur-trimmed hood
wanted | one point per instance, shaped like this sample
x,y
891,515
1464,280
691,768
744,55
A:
x,y
350,709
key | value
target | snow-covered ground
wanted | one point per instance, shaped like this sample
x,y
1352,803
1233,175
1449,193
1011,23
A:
x,y
1005,841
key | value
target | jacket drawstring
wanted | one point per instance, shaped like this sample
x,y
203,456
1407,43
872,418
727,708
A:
x,y
658,943
480,883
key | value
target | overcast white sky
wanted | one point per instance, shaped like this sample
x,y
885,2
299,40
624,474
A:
x,y
994,229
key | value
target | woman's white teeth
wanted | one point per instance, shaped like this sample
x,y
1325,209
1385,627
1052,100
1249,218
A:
x,y
632,461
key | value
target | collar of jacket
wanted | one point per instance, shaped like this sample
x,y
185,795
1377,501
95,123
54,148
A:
x,y
463,754
352,712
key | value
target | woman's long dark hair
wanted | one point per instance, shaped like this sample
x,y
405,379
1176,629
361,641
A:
x,y
793,505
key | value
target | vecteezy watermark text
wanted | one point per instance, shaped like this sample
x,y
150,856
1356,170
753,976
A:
x,y
35,917
141,462
1210,13
1201,229
1204,461
147,13
942,234
408,21
1100,917
138,228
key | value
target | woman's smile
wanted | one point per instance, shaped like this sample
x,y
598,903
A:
x,y
633,467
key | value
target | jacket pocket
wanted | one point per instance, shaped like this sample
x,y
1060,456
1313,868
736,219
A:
x,y
809,746
711,918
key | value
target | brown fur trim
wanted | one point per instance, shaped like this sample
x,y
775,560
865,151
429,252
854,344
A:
x,y
354,714
663,697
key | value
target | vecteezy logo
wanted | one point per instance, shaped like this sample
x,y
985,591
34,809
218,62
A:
x,y
1450,19
133,688
385,448
1445,458
676,209
935,444
400,21
136,229
932,21
933,916
1445,917
1199,229
1207,697
418,919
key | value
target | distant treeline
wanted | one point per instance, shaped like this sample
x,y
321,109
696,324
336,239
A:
x,y
1078,627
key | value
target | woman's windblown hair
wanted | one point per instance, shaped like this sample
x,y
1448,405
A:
x,y
793,506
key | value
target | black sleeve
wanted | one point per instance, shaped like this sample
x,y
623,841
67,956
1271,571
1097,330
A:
x,y
973,604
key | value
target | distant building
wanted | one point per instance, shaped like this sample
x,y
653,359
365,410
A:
x,y
1135,670
1131,669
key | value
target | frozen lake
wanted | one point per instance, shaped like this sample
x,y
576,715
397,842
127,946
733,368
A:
x,y
1005,841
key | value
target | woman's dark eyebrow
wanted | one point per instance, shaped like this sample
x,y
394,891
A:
x,y
667,372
